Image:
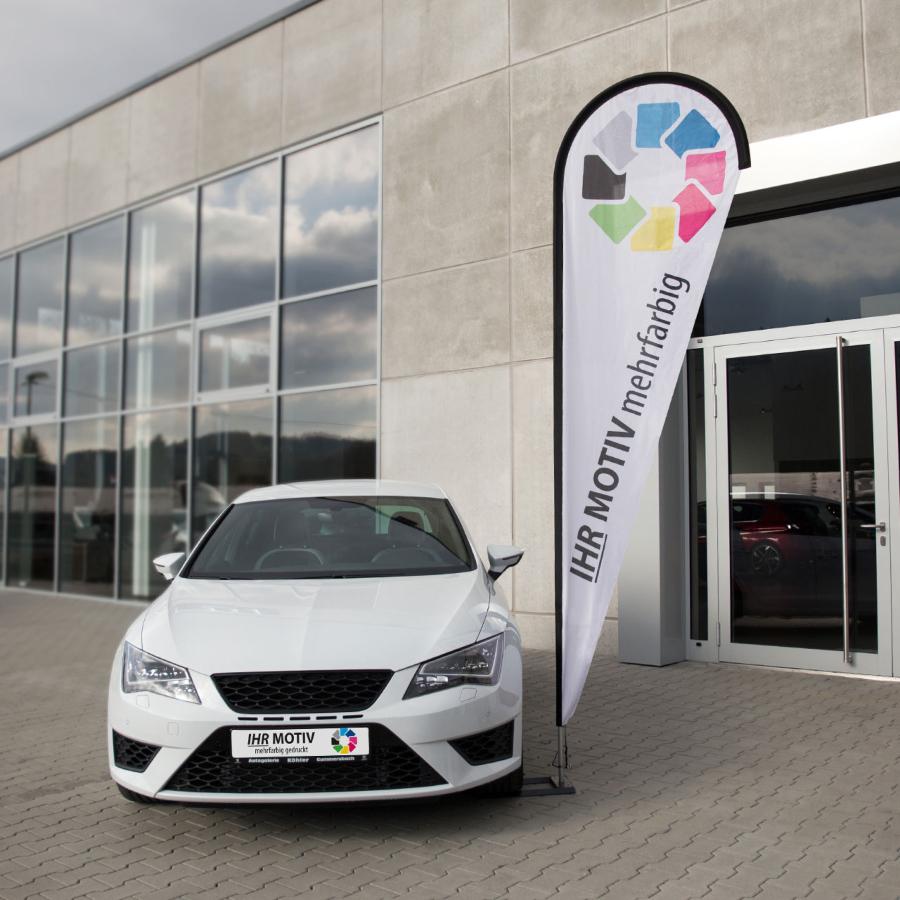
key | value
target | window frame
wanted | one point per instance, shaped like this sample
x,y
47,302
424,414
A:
x,y
195,323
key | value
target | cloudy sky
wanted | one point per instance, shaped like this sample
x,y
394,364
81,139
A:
x,y
58,57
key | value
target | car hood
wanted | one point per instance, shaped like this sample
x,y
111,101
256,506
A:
x,y
364,623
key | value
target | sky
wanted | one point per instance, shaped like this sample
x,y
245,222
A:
x,y
58,57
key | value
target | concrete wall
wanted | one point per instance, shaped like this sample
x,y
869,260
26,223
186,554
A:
x,y
476,95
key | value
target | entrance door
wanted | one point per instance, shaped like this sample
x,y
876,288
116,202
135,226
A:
x,y
803,502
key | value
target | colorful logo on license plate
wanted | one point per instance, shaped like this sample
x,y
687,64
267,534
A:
x,y
344,741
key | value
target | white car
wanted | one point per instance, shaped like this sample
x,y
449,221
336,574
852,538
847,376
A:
x,y
323,641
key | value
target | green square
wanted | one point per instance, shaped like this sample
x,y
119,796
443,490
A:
x,y
617,219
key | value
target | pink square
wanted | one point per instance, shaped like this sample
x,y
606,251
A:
x,y
696,211
708,169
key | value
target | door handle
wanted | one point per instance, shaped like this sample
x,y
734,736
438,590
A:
x,y
881,526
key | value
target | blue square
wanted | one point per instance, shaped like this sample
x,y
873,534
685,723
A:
x,y
693,133
653,121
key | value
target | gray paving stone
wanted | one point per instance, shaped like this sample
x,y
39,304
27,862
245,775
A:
x,y
693,781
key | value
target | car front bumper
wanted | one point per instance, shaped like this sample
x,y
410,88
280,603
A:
x,y
424,725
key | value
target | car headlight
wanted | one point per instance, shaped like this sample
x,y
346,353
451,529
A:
x,y
476,664
144,672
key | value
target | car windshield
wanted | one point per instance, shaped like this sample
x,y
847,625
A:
x,y
334,537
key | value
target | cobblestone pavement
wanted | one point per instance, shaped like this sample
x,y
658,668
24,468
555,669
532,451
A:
x,y
693,781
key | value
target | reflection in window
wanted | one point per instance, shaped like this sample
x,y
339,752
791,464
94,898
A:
x,y
157,369
161,252
4,393
7,289
235,356
40,300
329,340
331,214
232,453
88,516
823,266
238,223
327,434
36,389
697,500
96,279
92,380
32,507
4,451
154,497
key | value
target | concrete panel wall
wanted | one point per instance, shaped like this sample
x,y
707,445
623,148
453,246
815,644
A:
x,y
240,101
476,97
43,186
162,146
787,65
454,428
446,178
98,160
433,44
332,66
9,185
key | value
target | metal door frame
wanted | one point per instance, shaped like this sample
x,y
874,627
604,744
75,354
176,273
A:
x,y
892,385
718,507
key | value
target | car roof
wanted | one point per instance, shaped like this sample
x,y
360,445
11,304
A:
x,y
365,487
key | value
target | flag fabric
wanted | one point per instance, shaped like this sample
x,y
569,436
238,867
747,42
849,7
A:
x,y
643,184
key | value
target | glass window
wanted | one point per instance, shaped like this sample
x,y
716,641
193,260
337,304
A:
x,y
823,266
7,291
158,369
91,384
330,340
238,225
4,455
4,393
36,389
96,282
87,524
232,453
154,497
784,469
331,214
161,262
335,537
40,298
236,355
32,507
697,490
327,434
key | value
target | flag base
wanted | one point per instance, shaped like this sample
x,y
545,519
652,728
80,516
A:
x,y
545,786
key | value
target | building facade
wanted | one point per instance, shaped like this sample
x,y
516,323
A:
x,y
324,250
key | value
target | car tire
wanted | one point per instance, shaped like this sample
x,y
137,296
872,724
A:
x,y
766,558
507,786
133,796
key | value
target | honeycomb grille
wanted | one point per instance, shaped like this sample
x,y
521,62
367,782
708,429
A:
x,y
486,746
390,765
299,692
131,754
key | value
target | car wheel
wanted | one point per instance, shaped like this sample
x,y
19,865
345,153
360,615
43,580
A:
x,y
765,558
507,786
134,797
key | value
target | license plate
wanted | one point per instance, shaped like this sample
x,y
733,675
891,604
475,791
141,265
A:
x,y
288,743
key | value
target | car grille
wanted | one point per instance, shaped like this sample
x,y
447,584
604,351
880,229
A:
x,y
390,765
486,746
301,692
132,754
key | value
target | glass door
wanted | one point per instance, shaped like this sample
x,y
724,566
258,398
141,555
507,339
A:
x,y
802,503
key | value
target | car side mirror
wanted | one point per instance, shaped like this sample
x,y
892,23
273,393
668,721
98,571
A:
x,y
169,564
501,558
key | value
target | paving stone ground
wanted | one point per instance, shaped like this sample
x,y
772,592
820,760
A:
x,y
693,781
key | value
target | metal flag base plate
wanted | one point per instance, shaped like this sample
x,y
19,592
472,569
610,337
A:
x,y
545,786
